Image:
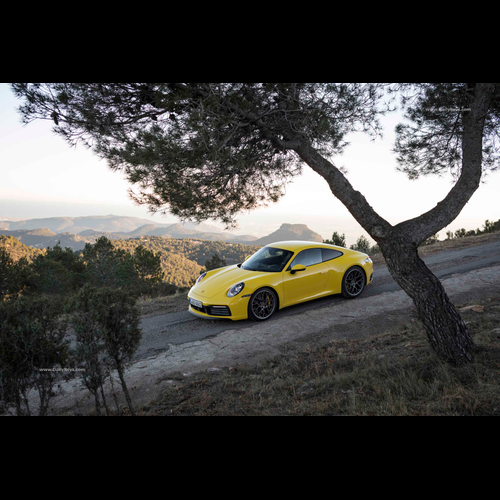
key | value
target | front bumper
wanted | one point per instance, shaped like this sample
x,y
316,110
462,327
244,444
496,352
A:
x,y
235,308
212,310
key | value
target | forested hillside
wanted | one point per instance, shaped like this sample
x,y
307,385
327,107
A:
x,y
18,250
183,259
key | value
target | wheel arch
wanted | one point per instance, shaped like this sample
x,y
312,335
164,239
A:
x,y
273,288
357,266
262,287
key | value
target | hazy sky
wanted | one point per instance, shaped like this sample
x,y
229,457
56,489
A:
x,y
42,176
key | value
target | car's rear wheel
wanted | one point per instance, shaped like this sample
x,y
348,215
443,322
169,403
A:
x,y
262,305
353,282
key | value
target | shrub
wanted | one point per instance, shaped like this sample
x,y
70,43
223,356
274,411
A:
x,y
33,351
106,323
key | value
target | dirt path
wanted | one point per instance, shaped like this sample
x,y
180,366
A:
x,y
358,318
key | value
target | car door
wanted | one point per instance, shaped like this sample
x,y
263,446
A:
x,y
309,283
336,269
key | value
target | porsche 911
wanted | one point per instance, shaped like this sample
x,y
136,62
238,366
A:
x,y
277,276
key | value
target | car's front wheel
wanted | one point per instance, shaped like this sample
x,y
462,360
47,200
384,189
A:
x,y
262,305
353,282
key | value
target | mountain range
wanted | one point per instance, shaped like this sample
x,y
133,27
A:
x,y
75,225
183,250
75,232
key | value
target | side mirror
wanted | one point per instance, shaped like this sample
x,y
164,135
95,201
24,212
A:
x,y
297,268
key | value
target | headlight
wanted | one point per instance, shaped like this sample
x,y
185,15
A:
x,y
200,277
368,260
235,289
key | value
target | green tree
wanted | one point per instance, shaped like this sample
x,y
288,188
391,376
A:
x,y
122,336
57,271
337,240
8,282
215,263
33,352
118,264
211,150
89,353
148,268
106,323
362,245
103,266
488,227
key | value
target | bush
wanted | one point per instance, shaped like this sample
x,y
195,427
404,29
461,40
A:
x,y
106,323
431,241
33,351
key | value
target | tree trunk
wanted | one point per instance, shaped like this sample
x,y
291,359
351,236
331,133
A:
x,y
125,388
97,403
104,401
445,329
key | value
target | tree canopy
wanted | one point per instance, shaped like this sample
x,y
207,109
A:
x,y
210,150
204,150
432,142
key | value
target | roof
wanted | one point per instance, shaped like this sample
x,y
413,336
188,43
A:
x,y
301,245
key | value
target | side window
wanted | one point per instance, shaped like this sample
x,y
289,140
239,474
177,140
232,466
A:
x,y
329,254
308,257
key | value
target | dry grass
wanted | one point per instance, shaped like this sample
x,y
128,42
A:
x,y
394,373
163,305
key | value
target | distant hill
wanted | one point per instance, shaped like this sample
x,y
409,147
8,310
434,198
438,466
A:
x,y
202,227
47,237
181,231
142,231
17,249
175,230
75,225
296,232
44,238
120,227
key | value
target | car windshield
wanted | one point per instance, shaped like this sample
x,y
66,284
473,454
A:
x,y
268,259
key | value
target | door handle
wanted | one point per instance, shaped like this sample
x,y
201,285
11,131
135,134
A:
x,y
323,272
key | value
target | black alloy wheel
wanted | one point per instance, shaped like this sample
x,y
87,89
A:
x,y
353,282
263,303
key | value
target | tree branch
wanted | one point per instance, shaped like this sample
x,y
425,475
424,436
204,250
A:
x,y
376,226
424,226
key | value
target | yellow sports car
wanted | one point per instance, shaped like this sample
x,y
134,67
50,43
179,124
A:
x,y
277,276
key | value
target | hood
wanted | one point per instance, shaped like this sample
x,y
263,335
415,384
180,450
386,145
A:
x,y
221,280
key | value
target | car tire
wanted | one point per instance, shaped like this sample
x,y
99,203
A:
x,y
262,304
353,282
